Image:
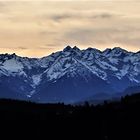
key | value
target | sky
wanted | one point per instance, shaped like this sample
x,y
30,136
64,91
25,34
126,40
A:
x,y
38,28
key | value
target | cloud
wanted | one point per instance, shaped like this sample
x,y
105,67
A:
x,y
45,27
90,15
104,16
104,36
22,48
74,0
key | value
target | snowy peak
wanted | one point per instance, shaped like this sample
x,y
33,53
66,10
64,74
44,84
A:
x,y
75,48
12,65
7,56
111,66
93,50
111,62
117,51
73,51
69,48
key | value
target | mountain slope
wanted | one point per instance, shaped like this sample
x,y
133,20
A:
x,y
70,75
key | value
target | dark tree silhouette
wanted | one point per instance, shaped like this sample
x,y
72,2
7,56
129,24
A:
x,y
110,121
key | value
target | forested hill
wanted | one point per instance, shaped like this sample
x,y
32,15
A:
x,y
108,121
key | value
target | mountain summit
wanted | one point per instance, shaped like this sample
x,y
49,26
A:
x,y
69,76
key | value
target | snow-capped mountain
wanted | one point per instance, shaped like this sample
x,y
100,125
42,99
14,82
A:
x,y
70,75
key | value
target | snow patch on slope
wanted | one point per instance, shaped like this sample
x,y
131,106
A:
x,y
12,65
36,79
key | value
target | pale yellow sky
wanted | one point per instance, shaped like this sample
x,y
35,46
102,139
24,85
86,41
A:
x,y
38,28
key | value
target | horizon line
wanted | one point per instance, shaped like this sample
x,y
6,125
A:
x,y
72,47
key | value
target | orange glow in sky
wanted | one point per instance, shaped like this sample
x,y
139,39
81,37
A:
x,y
38,28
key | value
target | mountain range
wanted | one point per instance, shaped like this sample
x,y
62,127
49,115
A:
x,y
71,75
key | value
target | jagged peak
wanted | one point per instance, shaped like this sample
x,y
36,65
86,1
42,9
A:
x,y
119,49
14,55
9,56
67,48
76,48
107,50
93,49
114,50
